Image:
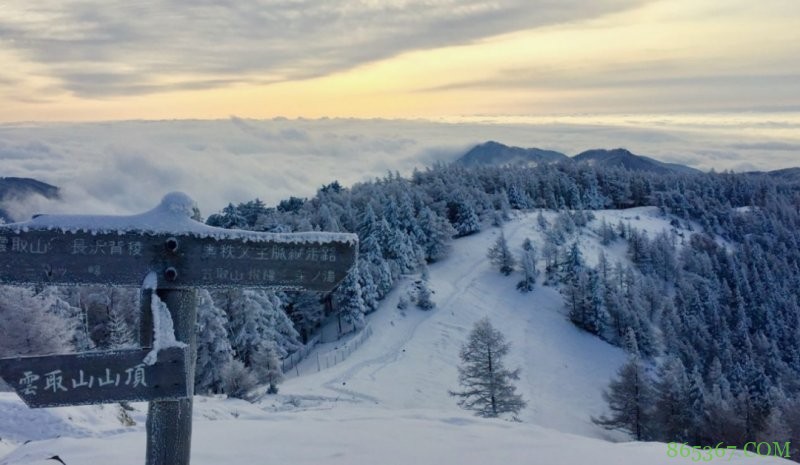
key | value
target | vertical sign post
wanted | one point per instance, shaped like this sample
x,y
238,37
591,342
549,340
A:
x,y
183,254
169,422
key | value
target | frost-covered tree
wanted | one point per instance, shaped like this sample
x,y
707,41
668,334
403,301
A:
x,y
630,399
402,303
486,383
436,232
528,265
214,351
348,301
28,328
500,255
306,311
673,409
517,198
256,317
583,300
397,248
238,380
64,303
267,366
120,334
378,267
606,233
550,255
463,217
571,264
541,221
369,290
425,296
328,221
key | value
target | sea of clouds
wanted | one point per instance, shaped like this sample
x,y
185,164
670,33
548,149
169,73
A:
x,y
126,167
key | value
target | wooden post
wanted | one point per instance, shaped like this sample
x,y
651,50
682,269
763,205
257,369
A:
x,y
169,423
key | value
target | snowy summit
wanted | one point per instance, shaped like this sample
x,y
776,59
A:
x,y
174,215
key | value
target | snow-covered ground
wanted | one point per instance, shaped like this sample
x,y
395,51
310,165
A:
x,y
387,403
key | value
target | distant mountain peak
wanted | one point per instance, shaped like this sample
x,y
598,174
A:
x,y
497,154
624,158
493,153
19,189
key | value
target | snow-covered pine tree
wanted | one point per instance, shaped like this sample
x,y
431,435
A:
x,y
463,217
214,351
328,221
721,421
487,384
528,264
673,407
606,233
120,334
281,330
500,255
28,328
347,300
630,399
396,248
63,302
402,303
435,234
571,264
306,311
542,221
254,318
583,299
550,255
237,380
425,296
503,207
517,198
267,366
369,290
246,323
379,268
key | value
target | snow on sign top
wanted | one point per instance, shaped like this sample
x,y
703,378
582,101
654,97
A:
x,y
121,250
172,216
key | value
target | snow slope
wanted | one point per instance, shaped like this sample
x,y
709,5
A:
x,y
388,402
410,361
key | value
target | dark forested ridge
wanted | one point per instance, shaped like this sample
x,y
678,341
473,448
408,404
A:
x,y
17,189
496,154
711,317
622,158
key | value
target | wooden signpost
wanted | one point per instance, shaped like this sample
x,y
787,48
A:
x,y
184,255
180,260
97,377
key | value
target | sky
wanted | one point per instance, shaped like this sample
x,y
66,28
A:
x,y
68,60
120,102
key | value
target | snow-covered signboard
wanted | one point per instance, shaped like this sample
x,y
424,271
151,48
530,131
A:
x,y
122,250
123,258
97,377
167,253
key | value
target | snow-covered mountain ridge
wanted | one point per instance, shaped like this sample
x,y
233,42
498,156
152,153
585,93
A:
x,y
388,403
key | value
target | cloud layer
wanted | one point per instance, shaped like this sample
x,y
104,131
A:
x,y
126,167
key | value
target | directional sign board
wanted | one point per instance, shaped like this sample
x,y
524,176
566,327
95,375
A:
x,y
51,256
183,254
97,377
